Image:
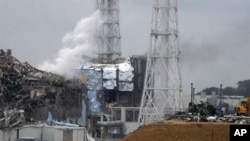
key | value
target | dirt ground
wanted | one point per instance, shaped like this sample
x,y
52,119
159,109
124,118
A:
x,y
181,131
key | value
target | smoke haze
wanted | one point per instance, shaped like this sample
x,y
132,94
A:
x,y
76,44
214,34
221,61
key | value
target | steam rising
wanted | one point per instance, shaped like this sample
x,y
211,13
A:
x,y
76,44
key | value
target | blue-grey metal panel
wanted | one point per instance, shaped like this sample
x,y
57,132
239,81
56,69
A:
x,y
109,72
94,104
126,86
126,76
94,79
109,84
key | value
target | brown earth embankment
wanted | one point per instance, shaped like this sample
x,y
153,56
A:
x,y
181,131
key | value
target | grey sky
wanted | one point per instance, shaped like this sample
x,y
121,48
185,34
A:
x,y
214,34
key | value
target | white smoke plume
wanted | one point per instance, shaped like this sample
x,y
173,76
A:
x,y
78,43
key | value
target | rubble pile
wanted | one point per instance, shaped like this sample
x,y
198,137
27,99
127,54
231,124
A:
x,y
28,94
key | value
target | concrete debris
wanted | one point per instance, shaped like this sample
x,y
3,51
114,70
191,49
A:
x,y
27,94
189,117
211,118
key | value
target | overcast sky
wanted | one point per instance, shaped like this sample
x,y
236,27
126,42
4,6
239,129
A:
x,y
214,35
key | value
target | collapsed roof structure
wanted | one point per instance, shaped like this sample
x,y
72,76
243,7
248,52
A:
x,y
27,94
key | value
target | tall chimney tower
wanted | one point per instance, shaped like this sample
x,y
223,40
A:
x,y
108,34
162,92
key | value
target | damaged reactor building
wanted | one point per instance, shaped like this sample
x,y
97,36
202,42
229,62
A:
x,y
114,84
103,98
27,94
109,96
113,95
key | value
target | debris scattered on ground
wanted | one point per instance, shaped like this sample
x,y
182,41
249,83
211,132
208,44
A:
x,y
27,94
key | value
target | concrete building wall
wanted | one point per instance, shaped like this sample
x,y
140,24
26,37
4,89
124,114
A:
x,y
33,132
7,135
45,133
48,133
79,135
58,135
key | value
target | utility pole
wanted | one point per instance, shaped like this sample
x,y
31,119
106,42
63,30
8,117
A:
x,y
220,95
192,94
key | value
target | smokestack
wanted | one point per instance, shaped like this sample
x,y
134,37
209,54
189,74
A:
x,y
108,34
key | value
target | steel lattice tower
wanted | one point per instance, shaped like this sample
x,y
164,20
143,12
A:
x,y
108,34
162,94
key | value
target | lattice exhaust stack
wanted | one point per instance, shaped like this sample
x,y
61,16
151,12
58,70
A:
x,y
162,87
108,34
